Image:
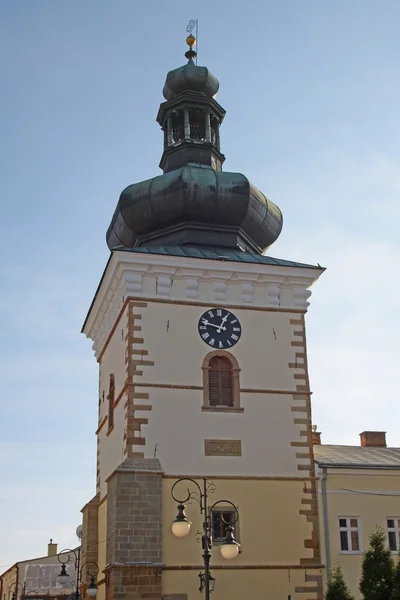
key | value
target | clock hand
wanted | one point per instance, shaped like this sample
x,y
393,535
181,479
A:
x,y
208,324
222,323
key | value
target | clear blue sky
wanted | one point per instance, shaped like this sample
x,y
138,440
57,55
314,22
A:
x,y
312,93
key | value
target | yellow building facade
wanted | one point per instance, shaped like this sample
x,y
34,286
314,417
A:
x,y
201,346
358,489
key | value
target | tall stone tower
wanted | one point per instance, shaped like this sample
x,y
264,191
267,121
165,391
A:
x,y
201,345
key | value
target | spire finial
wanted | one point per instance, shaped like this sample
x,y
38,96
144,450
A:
x,y
191,40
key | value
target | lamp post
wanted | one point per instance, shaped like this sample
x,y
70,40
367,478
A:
x,y
75,557
15,590
181,527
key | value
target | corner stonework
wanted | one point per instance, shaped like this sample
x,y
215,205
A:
x,y
135,361
134,529
89,540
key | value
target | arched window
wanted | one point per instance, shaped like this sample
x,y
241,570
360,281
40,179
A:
x,y
111,398
220,382
221,387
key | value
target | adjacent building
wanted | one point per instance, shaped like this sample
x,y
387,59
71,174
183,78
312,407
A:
x,y
358,489
201,345
37,578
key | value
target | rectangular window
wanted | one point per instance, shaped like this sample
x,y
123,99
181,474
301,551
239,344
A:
x,y
393,532
219,526
349,532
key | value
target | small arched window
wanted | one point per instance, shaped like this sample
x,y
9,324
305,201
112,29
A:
x,y
220,382
111,398
221,387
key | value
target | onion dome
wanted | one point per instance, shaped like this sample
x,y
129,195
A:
x,y
193,203
195,206
190,77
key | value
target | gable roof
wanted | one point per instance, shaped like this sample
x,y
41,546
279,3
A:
x,y
327,455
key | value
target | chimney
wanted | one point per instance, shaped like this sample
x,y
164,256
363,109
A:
x,y
315,436
373,439
51,549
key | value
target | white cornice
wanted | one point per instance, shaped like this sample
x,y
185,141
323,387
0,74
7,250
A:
x,y
125,275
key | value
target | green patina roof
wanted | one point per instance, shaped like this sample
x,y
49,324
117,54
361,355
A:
x,y
218,254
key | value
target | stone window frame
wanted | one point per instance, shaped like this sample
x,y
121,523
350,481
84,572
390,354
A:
x,y
111,400
350,529
235,382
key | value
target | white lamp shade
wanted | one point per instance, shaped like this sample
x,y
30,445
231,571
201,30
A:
x,y
181,528
91,591
230,551
63,579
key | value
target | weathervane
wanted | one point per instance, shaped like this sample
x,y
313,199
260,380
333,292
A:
x,y
194,24
190,26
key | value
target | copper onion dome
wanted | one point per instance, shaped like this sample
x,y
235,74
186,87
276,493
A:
x,y
193,202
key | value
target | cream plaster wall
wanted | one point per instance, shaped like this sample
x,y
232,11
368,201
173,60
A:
x,y
272,532
177,426
374,497
113,361
257,584
111,447
263,351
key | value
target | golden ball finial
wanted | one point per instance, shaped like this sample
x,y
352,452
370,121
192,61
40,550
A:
x,y
190,40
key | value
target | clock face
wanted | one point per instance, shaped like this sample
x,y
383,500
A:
x,y
219,328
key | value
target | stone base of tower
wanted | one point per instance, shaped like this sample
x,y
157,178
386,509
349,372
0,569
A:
x,y
133,582
134,519
122,532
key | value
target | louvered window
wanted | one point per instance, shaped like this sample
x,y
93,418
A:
x,y
220,382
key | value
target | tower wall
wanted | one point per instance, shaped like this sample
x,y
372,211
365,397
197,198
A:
x,y
259,453
272,411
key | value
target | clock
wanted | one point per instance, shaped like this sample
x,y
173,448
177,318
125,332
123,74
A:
x,y
219,328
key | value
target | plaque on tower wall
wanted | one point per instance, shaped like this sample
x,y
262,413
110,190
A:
x,y
223,447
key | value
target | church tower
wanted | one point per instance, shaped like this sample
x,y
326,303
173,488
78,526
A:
x,y
201,344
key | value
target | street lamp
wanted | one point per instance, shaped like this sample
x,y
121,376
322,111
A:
x,y
15,590
92,588
67,556
202,578
181,527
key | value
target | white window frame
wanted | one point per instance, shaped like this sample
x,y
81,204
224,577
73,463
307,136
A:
x,y
348,529
396,530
